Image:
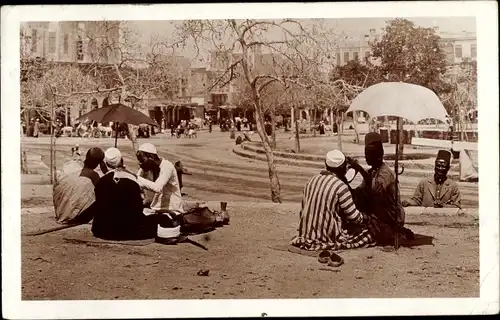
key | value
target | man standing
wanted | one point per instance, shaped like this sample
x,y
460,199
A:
x,y
165,185
437,191
328,210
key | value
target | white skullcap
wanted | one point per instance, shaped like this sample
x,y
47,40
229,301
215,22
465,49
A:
x,y
335,158
148,147
112,157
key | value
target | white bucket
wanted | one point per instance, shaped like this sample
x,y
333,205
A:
x,y
170,231
167,233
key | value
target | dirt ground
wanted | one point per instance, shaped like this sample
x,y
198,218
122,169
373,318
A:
x,y
244,264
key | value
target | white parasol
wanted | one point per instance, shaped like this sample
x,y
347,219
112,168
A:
x,y
401,100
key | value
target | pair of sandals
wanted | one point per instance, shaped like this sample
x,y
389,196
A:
x,y
330,258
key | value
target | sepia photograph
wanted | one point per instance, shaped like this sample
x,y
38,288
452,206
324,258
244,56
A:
x,y
221,161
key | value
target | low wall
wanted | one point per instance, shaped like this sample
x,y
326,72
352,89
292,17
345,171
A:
x,y
288,158
471,136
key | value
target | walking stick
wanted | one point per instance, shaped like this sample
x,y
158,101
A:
x,y
37,233
396,189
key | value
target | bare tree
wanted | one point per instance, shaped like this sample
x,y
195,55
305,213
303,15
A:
x,y
134,71
296,51
461,100
116,66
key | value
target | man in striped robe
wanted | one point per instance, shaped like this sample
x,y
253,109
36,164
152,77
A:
x,y
329,219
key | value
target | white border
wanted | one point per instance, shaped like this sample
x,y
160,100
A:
x,y
487,33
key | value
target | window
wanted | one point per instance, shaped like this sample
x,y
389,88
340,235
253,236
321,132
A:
x,y
355,56
92,48
66,44
458,51
346,57
338,58
367,54
473,50
79,49
34,40
52,42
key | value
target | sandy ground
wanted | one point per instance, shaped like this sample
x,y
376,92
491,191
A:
x,y
243,264
241,259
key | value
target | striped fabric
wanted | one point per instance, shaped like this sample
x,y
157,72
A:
x,y
327,206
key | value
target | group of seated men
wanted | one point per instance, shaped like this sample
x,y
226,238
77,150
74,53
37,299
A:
x,y
125,203
335,216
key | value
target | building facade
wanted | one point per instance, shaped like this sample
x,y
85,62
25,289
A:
x,y
459,46
356,48
72,42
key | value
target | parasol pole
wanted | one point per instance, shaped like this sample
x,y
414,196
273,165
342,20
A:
x,y
116,133
396,171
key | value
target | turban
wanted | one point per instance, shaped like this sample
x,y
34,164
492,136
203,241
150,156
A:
x,y
444,155
112,157
148,147
335,158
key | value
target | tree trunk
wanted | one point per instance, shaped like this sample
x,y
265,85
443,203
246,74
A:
x,y
131,128
296,132
340,127
52,142
24,161
273,129
297,135
66,123
401,136
355,125
387,124
332,118
314,122
273,173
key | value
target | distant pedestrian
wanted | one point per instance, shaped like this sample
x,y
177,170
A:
x,y
321,128
36,128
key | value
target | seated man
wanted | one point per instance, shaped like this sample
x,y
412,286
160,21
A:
x,y
387,215
73,194
328,209
118,206
437,191
166,183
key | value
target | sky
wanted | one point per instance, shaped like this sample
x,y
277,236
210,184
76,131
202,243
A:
x,y
353,27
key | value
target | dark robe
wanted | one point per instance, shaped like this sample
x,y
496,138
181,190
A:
x,y
381,204
119,210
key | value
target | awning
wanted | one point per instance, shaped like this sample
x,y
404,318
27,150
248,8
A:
x,y
228,107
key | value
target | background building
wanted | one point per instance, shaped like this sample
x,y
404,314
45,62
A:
x,y
71,42
459,46
356,48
